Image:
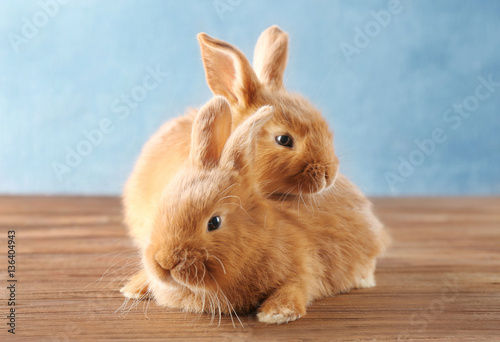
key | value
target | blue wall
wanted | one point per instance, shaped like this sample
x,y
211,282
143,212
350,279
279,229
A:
x,y
68,69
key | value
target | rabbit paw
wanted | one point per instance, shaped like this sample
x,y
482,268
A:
x,y
277,311
368,279
137,286
366,283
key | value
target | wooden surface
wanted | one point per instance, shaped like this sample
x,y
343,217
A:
x,y
439,281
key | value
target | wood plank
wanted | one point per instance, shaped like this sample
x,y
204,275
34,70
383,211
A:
x,y
439,281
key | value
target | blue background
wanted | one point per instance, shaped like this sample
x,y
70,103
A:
x,y
67,77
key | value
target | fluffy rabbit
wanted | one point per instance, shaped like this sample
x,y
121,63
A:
x,y
299,171
295,153
219,245
295,149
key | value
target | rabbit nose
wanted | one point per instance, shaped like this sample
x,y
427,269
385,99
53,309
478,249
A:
x,y
317,172
165,262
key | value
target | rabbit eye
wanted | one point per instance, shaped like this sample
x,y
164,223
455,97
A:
x,y
284,140
214,223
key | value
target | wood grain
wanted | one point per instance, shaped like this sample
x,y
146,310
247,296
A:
x,y
439,281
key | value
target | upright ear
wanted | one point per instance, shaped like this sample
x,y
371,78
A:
x,y
211,129
239,152
227,70
270,57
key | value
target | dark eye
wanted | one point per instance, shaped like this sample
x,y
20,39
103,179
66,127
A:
x,y
214,223
284,140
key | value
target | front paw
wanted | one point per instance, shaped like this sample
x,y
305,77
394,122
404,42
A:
x,y
366,283
275,312
137,286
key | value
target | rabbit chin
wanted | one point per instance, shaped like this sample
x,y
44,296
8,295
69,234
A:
x,y
329,183
308,185
169,292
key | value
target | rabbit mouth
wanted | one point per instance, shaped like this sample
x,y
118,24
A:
x,y
330,180
317,178
181,268
180,277
191,274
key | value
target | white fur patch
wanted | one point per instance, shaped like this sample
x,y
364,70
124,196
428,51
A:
x,y
284,316
366,283
131,295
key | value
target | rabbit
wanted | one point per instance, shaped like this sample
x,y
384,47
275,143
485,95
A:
x,y
167,151
295,149
219,244
301,171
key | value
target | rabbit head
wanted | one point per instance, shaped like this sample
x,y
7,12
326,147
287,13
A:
x,y
295,148
210,216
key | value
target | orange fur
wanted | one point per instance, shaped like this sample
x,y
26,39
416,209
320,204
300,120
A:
x,y
160,160
311,165
267,254
312,234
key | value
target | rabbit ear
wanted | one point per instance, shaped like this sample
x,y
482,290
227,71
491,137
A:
x,y
211,129
270,57
227,70
239,152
